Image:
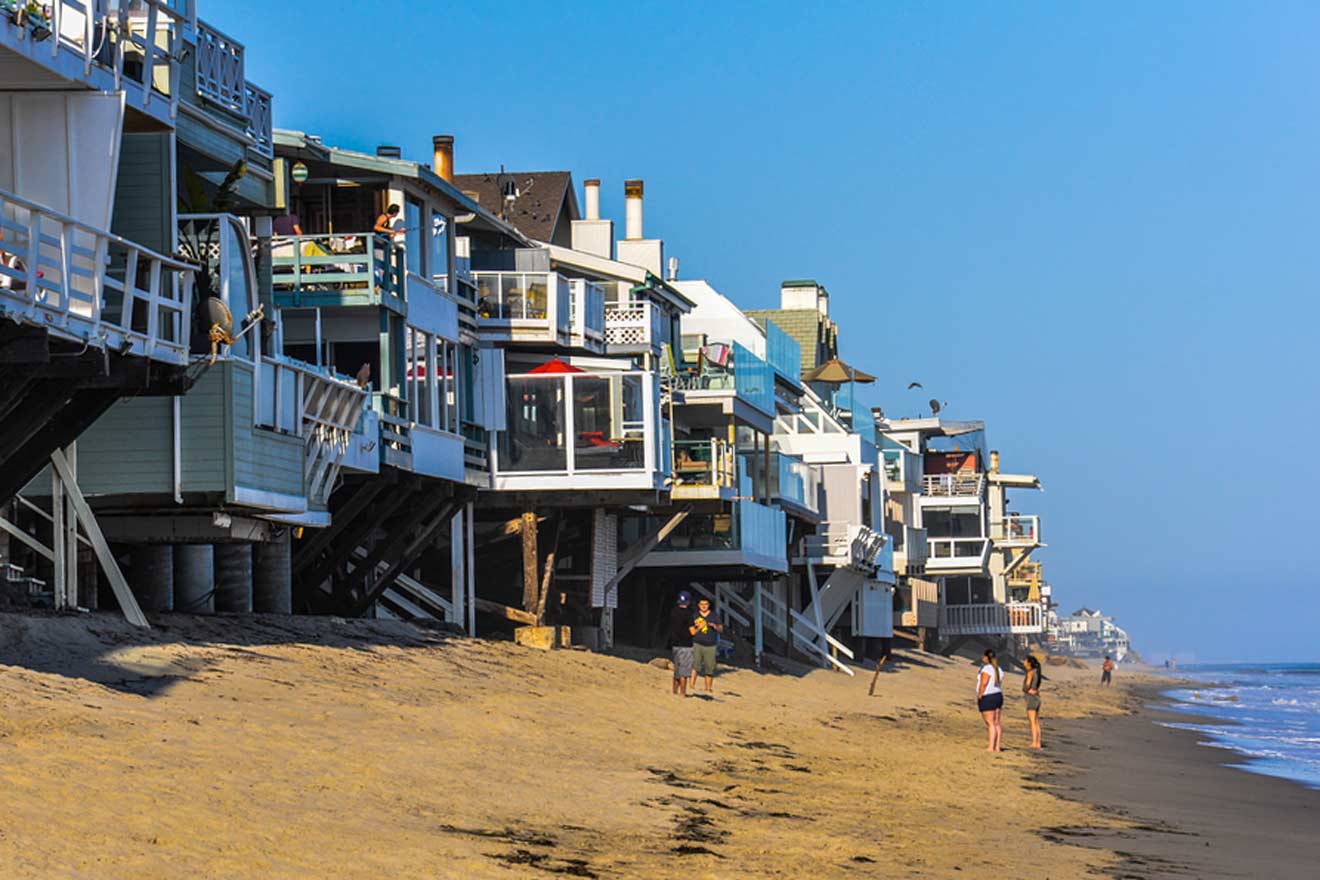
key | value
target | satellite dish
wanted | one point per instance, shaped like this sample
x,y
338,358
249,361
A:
x,y
219,318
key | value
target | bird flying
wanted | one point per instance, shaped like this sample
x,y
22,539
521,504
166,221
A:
x,y
912,385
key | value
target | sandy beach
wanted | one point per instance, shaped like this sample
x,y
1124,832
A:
x,y
300,747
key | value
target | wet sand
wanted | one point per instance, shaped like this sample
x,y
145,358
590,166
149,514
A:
x,y
1183,810
299,747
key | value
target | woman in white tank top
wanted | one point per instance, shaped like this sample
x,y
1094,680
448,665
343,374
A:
x,y
990,699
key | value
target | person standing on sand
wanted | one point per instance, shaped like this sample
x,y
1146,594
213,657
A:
x,y
705,644
1031,692
1107,672
680,641
990,699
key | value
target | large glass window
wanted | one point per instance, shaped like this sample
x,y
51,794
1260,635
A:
x,y
609,423
439,244
952,522
534,437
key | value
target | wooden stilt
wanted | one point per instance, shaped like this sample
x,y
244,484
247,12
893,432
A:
x,y
548,578
529,558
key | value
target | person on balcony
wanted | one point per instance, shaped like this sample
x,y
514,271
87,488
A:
x,y
1031,696
706,631
680,641
289,224
385,223
990,699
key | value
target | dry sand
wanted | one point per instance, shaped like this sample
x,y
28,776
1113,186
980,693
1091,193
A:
x,y
312,748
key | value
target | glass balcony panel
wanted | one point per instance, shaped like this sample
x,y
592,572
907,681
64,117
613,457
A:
x,y
488,296
534,437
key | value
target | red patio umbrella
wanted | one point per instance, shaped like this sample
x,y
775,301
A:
x,y
555,365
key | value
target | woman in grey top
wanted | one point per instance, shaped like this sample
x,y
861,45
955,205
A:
x,y
1031,692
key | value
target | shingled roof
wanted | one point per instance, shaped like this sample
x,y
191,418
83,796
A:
x,y
816,335
545,207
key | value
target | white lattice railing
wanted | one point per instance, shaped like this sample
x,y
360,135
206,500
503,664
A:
x,y
631,325
90,285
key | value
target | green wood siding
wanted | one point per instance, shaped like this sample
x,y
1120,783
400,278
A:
x,y
144,199
128,450
262,460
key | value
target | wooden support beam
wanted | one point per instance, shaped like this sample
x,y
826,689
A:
x,y
637,552
548,577
400,534
307,552
375,583
489,607
127,603
354,533
529,558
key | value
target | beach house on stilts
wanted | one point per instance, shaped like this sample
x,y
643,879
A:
x,y
583,327
169,489
974,542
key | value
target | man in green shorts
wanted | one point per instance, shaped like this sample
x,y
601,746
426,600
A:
x,y
705,641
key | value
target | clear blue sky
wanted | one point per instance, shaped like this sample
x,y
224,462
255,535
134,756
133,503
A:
x,y
1092,226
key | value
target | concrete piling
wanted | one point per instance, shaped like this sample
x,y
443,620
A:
x,y
194,578
272,577
153,576
233,578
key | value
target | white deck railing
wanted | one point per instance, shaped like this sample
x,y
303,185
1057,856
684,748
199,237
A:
x,y
844,543
959,485
136,41
1018,530
91,285
221,80
1012,618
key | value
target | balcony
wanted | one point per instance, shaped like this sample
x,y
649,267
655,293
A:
x,y
911,555
724,369
90,286
636,328
323,271
587,308
1017,531
902,469
850,545
956,555
961,484
314,404
578,431
749,535
106,45
1011,618
220,81
528,307
795,484
704,469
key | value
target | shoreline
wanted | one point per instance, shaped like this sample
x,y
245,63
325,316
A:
x,y
1184,808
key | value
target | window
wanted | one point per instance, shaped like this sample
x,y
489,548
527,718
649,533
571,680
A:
x,y
534,437
439,244
415,236
608,423
952,522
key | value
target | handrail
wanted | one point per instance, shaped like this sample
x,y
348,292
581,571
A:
x,y
66,280
953,485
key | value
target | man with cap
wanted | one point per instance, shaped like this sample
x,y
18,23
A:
x,y
680,641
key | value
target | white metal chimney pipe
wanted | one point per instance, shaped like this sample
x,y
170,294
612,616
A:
x,y
673,269
632,192
591,191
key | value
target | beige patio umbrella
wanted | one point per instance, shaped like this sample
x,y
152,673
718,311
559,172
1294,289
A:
x,y
836,372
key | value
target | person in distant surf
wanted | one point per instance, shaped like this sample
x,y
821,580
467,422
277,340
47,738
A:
x,y
680,641
1031,696
990,699
706,631
1107,672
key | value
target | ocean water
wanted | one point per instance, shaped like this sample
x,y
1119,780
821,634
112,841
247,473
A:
x,y
1268,713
